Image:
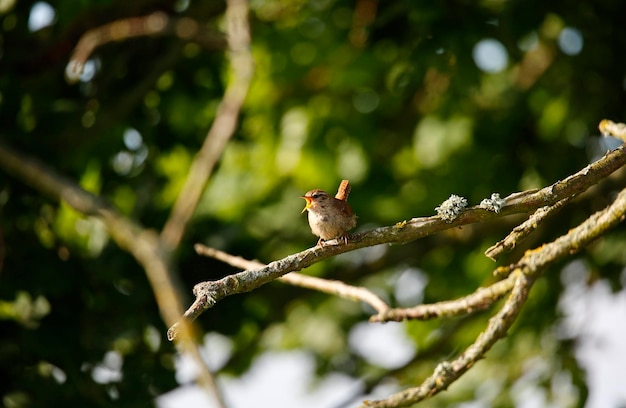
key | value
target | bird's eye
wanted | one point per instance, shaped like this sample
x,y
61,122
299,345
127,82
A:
x,y
317,195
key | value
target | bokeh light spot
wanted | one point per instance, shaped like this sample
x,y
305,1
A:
x,y
570,41
490,55
41,15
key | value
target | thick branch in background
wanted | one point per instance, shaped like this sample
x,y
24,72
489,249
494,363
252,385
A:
x,y
210,292
242,67
144,245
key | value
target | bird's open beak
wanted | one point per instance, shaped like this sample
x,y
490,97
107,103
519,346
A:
x,y
309,201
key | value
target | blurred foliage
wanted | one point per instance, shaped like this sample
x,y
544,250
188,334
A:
x,y
399,105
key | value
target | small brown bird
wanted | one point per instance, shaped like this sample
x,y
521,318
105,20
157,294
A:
x,y
330,217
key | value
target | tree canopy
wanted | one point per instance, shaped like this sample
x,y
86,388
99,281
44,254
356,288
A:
x,y
410,101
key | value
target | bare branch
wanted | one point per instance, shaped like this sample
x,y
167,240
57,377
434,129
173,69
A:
x,y
523,230
449,371
209,293
232,260
526,271
157,23
481,299
331,287
242,67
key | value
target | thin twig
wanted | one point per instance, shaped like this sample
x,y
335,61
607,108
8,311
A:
x,y
520,232
331,287
209,293
242,67
481,299
526,271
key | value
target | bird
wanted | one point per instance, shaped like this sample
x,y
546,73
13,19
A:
x,y
330,217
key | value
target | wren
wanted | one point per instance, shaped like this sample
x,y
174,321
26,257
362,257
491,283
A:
x,y
330,217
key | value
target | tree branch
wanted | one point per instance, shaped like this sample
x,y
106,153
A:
x,y
449,371
481,299
242,67
157,23
209,293
143,244
331,287
526,271
520,232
